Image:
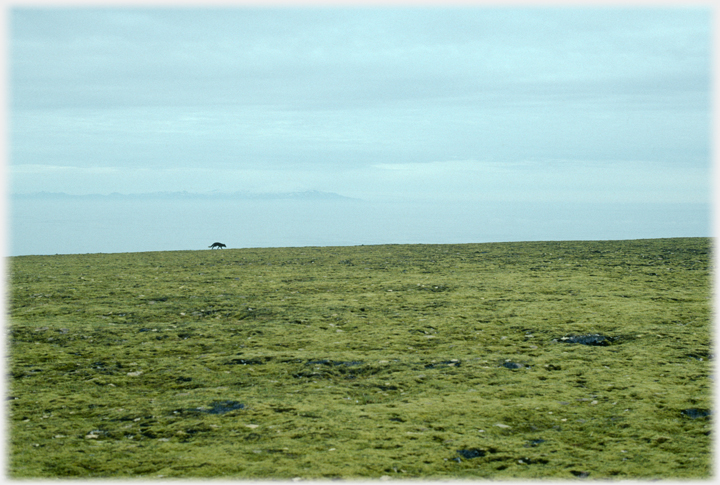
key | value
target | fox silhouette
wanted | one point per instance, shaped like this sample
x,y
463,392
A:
x,y
217,245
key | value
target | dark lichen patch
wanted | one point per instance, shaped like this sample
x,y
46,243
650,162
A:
x,y
331,366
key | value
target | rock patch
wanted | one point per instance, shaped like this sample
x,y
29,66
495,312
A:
x,y
532,461
471,453
592,339
449,363
222,407
334,363
247,361
695,413
347,369
216,407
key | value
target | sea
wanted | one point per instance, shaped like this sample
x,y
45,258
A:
x,y
47,226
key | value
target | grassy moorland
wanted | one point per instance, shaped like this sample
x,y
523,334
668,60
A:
x,y
399,361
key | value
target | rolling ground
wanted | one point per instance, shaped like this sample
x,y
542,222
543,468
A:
x,y
512,360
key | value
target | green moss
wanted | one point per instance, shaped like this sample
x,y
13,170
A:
x,y
363,362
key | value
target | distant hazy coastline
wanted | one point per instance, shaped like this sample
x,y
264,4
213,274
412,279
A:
x,y
67,224
241,195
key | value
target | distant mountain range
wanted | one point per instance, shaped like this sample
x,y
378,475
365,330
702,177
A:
x,y
306,195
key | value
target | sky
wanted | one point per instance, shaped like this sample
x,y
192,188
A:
x,y
453,105
465,103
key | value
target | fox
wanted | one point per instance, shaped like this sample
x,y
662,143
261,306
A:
x,y
217,245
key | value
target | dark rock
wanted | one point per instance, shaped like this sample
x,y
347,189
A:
x,y
471,453
533,461
282,409
512,365
333,369
222,407
387,388
695,413
534,442
450,363
334,363
245,362
593,339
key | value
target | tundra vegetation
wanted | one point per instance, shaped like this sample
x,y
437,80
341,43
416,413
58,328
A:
x,y
512,360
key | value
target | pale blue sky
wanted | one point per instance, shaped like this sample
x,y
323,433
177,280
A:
x,y
467,104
